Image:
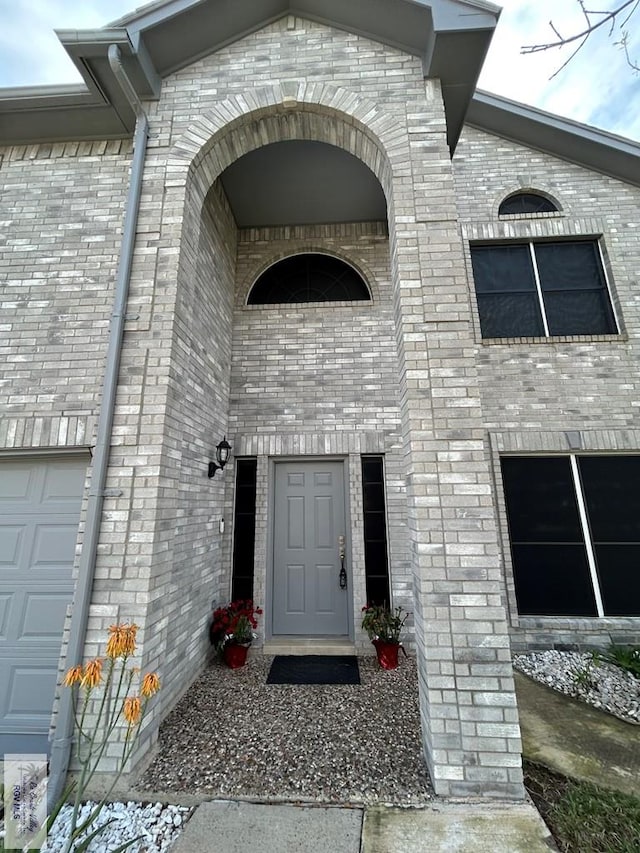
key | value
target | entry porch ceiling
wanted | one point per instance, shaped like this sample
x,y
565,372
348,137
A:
x,y
302,183
451,37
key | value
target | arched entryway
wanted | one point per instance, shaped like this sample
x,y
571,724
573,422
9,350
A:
x,y
415,259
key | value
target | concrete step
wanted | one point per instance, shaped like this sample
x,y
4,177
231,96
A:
x,y
308,646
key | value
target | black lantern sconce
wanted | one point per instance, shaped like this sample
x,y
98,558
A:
x,y
222,457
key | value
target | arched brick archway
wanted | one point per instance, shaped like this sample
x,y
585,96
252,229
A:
x,y
443,453
276,113
319,112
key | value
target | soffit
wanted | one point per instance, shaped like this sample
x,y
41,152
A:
x,y
451,37
302,183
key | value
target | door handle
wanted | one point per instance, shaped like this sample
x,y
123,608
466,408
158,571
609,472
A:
x,y
341,554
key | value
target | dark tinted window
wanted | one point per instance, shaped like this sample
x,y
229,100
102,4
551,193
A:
x,y
375,530
506,291
550,567
573,295
244,529
520,203
309,278
612,494
549,541
611,486
574,290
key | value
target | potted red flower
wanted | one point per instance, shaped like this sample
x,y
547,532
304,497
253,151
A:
x,y
231,630
383,626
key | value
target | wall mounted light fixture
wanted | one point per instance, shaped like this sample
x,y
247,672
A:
x,y
222,457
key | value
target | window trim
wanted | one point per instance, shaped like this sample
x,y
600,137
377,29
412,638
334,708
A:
x,y
531,241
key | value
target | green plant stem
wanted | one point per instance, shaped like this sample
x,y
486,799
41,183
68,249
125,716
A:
x,y
89,764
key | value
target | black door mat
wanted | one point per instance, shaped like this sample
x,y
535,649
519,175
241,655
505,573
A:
x,y
314,669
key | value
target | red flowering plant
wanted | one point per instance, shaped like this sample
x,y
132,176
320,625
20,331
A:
x,y
383,623
234,624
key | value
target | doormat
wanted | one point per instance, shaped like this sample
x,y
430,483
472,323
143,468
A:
x,y
314,669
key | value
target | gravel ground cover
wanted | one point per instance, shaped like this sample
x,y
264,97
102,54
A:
x,y
155,825
599,684
232,736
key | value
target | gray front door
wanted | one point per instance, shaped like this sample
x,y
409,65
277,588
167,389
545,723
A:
x,y
309,516
39,515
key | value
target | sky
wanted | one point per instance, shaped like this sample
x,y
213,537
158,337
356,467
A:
x,y
597,87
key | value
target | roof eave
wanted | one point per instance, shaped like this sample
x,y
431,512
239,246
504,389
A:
x,y
451,37
569,140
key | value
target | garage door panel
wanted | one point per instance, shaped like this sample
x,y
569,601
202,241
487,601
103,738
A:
x,y
18,484
61,485
43,616
31,687
5,610
54,546
11,543
39,514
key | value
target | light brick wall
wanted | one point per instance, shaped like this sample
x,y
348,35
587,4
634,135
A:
x,y
331,373
186,559
160,558
414,168
533,391
61,210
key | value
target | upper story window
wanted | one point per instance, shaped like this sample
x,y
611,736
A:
x,y
574,527
519,203
312,277
542,289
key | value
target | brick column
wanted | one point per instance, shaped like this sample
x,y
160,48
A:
x,y
468,706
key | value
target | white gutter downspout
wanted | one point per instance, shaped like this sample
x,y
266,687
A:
x,y
63,736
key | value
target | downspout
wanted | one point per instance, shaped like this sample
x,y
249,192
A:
x,y
63,736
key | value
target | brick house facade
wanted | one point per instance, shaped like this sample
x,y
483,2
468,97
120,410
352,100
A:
x,y
408,379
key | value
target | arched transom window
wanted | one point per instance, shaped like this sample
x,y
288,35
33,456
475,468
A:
x,y
311,277
526,202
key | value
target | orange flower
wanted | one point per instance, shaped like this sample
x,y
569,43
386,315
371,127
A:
x,y
150,684
132,710
92,674
73,676
122,641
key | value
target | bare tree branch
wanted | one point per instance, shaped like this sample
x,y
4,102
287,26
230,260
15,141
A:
x,y
624,44
608,16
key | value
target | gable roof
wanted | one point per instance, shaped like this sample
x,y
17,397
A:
x,y
451,37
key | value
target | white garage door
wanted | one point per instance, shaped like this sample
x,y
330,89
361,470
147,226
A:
x,y
39,514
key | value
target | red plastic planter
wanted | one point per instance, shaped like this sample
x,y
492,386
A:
x,y
387,654
235,655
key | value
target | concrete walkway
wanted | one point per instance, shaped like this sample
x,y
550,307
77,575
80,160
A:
x,y
564,734
236,827
577,740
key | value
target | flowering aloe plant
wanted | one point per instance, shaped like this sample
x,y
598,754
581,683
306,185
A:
x,y
118,704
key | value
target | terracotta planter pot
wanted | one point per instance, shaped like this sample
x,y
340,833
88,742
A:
x,y
387,654
235,655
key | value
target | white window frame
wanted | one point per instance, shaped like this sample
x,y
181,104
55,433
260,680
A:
x,y
586,533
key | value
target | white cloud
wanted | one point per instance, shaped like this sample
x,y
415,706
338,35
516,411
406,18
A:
x,y
31,52
596,87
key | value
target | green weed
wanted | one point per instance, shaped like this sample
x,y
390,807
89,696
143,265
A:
x,y
626,657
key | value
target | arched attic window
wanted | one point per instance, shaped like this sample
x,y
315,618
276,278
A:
x,y
526,202
311,277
